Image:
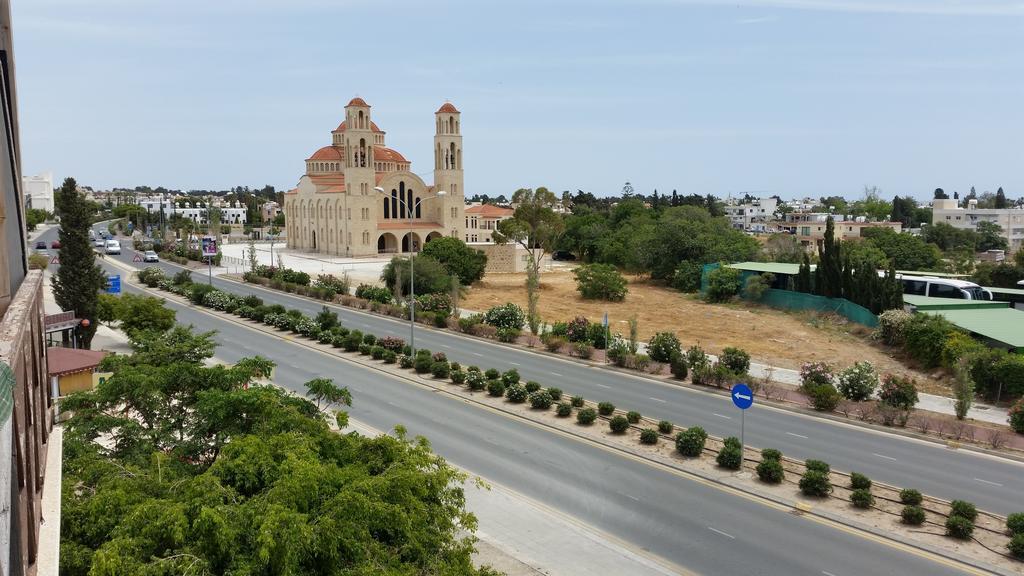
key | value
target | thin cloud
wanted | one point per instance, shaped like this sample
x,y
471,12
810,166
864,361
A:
x,y
922,7
758,20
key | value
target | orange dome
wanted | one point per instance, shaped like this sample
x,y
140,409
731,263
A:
x,y
385,154
357,101
326,153
373,127
447,107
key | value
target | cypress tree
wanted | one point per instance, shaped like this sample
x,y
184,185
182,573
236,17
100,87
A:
x,y
848,288
1001,199
78,281
830,268
803,277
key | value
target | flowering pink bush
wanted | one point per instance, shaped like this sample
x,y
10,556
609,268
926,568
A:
x,y
577,329
898,392
815,374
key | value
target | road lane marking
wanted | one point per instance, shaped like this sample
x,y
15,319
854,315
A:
x,y
826,573
557,374
883,456
602,385
797,435
716,531
445,346
657,399
631,497
478,354
722,415
514,363
989,482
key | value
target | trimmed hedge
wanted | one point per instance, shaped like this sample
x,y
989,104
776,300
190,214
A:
x,y
618,424
690,442
912,514
911,497
815,483
648,436
605,408
564,409
665,427
586,416
862,498
859,481
770,471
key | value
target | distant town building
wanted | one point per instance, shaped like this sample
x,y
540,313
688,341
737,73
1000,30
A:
x,y
269,211
1011,220
809,227
482,220
753,216
360,198
38,191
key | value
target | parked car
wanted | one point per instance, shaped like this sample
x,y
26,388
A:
x,y
100,243
150,256
55,244
562,255
113,247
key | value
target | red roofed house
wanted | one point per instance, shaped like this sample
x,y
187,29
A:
x,y
482,220
71,369
360,198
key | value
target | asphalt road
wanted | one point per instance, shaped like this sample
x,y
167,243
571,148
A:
x,y
688,523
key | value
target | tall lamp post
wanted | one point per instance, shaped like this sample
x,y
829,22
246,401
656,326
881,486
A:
x,y
410,212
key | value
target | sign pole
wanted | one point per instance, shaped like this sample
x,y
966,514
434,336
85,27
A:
x,y
743,398
743,443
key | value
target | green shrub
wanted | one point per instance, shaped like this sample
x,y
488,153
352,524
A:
x,y
1015,523
605,408
770,471
898,392
963,509
423,364
959,527
912,514
859,481
1016,546
377,352
492,374
618,424
736,360
374,293
862,498
555,393
696,358
532,386
858,382
771,454
496,388
600,282
892,326
508,334
663,346
405,361
540,400
690,442
390,357
597,335
723,284
353,340
477,381
678,367
823,397
633,416
925,336
815,483
583,350
911,496
817,466
666,427
516,393
364,349
369,339
730,457
577,401
648,436
816,374
1016,418
564,409
440,369
506,316
586,416
457,376
511,377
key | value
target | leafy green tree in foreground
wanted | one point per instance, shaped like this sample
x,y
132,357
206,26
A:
x,y
77,283
457,258
173,467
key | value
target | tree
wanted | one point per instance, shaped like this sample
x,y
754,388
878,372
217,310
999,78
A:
x,y
600,282
963,389
326,393
1000,201
948,237
828,275
535,227
430,276
905,251
803,276
135,312
783,248
77,283
457,258
940,194
990,237
723,284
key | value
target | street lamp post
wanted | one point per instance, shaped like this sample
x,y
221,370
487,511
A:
x,y
410,211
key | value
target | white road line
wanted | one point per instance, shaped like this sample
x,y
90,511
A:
x,y
716,531
883,456
514,363
478,354
722,415
824,573
656,399
445,346
556,374
602,385
989,482
797,435
631,497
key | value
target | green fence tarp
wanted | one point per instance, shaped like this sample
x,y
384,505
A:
x,y
6,392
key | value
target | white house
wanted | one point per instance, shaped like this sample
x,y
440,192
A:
x,y
38,191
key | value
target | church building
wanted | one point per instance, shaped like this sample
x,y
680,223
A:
x,y
360,198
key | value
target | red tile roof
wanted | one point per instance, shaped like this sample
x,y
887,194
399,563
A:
x,y
343,126
490,211
326,153
329,184
385,154
357,101
62,361
447,107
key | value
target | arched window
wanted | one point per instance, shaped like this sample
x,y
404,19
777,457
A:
x,y
456,126
394,203
360,124
403,206
387,208
418,206
451,125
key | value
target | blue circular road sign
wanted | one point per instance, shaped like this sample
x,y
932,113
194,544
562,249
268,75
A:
x,y
742,396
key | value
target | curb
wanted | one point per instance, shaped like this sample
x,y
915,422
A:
x,y
727,481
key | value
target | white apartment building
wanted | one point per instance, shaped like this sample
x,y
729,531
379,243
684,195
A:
x,y
482,220
753,216
1011,220
233,213
38,191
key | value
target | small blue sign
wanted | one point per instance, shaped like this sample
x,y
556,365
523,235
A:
x,y
114,284
742,396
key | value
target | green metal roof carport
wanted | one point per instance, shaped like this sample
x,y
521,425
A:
x,y
928,303
772,267
1001,325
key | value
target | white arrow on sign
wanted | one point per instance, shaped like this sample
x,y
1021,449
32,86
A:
x,y
741,396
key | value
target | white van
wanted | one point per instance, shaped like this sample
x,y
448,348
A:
x,y
113,247
942,287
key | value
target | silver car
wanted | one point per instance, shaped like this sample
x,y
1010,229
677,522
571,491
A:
x,y
150,256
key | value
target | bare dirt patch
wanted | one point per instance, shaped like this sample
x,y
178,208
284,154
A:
x,y
770,336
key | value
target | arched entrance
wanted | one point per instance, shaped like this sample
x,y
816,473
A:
x,y
313,232
411,242
432,236
387,243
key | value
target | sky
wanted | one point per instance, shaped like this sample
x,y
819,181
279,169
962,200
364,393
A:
x,y
789,97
